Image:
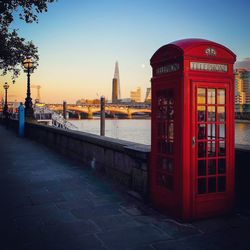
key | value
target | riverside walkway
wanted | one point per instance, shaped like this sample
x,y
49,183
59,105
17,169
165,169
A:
x,y
51,202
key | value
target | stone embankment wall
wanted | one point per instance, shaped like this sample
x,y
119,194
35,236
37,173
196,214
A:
x,y
242,175
124,161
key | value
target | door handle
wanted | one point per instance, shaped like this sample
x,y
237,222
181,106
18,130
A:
x,y
193,141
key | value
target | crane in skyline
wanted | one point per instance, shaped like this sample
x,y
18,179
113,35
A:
x,y
38,87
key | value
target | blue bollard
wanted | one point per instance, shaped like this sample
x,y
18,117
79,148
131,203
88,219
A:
x,y
21,119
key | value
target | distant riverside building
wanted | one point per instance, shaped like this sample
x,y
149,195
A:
x,y
242,89
116,90
148,95
125,100
240,96
136,95
87,101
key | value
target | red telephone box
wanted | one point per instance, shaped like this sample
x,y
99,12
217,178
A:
x,y
192,156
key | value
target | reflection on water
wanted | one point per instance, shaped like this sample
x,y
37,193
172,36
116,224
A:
x,y
140,130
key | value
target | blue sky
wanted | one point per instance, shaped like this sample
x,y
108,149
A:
x,y
80,40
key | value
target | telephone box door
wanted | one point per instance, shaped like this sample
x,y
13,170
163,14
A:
x,y
210,148
163,178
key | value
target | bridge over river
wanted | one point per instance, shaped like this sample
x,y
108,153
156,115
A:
x,y
111,109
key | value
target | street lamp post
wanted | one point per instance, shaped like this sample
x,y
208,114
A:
x,y
28,64
5,108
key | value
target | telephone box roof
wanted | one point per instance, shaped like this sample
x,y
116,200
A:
x,y
185,45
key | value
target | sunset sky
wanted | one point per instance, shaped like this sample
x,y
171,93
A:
x,y
80,40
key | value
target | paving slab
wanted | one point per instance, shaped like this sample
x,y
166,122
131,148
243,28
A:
x,y
115,222
132,237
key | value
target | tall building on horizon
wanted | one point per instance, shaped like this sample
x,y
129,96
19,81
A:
x,y
136,95
242,90
242,86
148,95
116,90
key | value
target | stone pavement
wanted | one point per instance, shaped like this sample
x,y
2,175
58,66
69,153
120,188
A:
x,y
51,202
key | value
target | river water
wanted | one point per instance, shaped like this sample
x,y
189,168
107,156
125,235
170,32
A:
x,y
139,130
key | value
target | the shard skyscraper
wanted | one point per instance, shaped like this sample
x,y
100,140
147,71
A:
x,y
116,90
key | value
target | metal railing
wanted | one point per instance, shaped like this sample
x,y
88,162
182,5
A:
x,y
57,120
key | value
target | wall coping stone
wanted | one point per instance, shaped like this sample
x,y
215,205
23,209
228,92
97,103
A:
x,y
140,151
241,147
